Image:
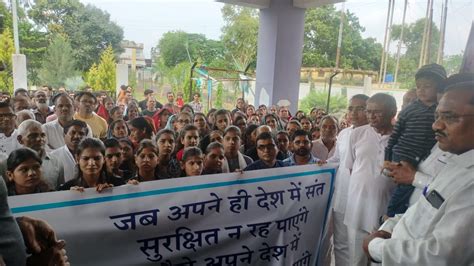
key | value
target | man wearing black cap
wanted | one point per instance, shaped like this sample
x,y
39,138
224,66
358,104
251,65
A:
x,y
149,93
412,138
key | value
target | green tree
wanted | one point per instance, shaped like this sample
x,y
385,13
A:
x,y
453,63
92,76
107,71
239,35
412,40
6,50
89,28
219,96
320,41
58,63
319,99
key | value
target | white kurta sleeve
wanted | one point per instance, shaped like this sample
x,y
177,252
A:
x,y
421,180
449,242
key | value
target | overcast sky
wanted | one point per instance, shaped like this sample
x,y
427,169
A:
x,y
145,21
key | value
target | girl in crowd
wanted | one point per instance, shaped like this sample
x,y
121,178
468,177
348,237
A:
x,y
105,107
273,122
250,110
128,160
146,160
168,166
115,113
183,120
216,135
249,138
118,129
24,173
201,124
306,124
210,116
91,168
241,123
192,163
299,114
221,120
313,114
187,109
132,112
172,123
140,129
254,119
161,118
188,137
315,133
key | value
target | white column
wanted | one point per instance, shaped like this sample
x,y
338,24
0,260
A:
x,y
20,75
279,53
121,76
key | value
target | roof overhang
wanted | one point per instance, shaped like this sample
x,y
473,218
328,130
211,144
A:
x,y
261,4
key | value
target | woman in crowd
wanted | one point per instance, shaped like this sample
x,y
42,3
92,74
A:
x,y
187,109
118,129
168,166
306,124
128,159
183,119
201,124
250,110
146,159
299,114
104,107
210,116
188,137
132,112
24,173
140,129
192,163
249,138
91,168
241,123
273,122
115,113
315,133
161,118
254,119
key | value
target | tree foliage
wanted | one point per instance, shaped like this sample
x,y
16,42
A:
x,y
239,35
92,76
319,99
7,49
88,27
58,63
107,71
320,41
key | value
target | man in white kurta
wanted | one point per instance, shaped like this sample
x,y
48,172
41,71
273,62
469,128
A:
x,y
356,111
437,229
369,190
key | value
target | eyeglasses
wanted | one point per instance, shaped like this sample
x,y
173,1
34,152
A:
x,y
270,146
450,118
356,108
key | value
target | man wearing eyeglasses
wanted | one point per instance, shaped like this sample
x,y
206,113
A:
x,y
357,116
267,153
369,190
85,112
436,230
8,133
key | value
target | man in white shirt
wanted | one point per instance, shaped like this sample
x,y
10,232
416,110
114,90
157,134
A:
x,y
64,110
436,230
324,147
8,133
369,190
74,132
356,112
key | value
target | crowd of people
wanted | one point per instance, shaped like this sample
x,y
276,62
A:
x,y
410,173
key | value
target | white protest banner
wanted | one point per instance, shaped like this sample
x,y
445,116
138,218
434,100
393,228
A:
x,y
265,217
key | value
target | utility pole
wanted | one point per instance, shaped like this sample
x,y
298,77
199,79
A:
x,y
444,17
429,36
15,27
400,41
384,43
425,30
339,40
387,54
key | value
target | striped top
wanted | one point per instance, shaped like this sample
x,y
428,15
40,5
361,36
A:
x,y
412,137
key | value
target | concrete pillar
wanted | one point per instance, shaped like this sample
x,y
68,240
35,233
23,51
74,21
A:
x,y
20,75
121,76
279,53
